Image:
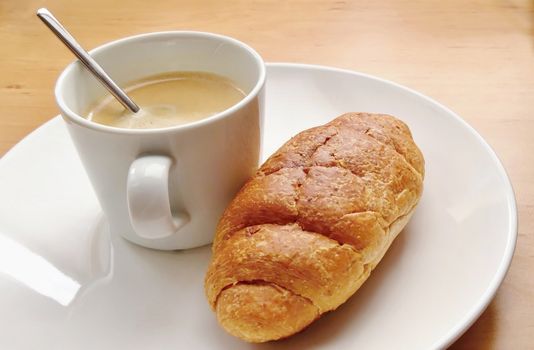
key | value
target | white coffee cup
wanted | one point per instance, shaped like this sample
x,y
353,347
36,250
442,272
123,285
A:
x,y
166,188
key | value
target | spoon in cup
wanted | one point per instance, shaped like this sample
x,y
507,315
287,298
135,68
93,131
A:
x,y
57,28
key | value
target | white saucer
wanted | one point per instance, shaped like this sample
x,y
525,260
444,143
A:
x,y
66,284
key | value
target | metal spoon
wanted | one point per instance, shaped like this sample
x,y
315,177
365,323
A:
x,y
53,24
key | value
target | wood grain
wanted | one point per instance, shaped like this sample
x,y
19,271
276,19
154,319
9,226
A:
x,y
476,57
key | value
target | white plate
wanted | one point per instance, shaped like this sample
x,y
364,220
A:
x,y
66,284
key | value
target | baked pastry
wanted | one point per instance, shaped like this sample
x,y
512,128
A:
x,y
307,229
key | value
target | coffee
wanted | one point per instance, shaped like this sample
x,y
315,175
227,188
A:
x,y
169,99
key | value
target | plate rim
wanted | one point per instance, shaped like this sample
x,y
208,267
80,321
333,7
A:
x,y
475,311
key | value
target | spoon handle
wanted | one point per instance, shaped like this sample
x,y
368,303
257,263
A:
x,y
55,26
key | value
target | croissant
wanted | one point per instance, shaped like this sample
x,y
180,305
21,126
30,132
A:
x,y
305,232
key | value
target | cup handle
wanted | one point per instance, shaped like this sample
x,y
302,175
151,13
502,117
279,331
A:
x,y
147,195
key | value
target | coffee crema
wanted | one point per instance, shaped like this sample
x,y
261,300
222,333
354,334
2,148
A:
x,y
169,99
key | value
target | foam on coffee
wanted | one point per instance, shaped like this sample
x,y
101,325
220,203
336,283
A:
x,y
169,99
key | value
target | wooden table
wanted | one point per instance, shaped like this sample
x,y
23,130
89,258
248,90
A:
x,y
476,57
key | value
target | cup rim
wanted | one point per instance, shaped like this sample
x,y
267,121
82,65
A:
x,y
74,117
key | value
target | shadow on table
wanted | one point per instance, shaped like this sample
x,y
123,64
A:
x,y
481,335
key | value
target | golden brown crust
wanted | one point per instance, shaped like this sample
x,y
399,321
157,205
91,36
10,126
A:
x,y
313,222
305,263
263,199
241,310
